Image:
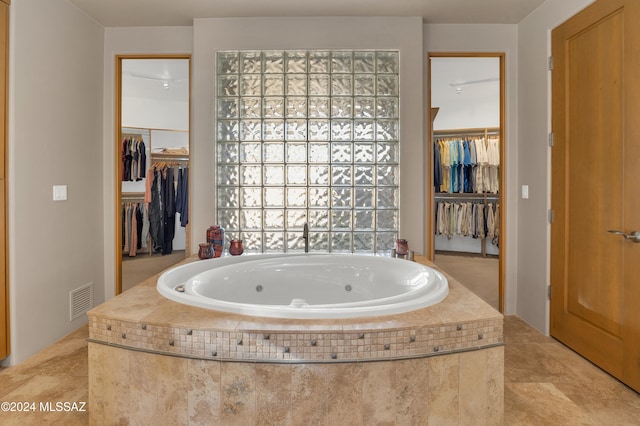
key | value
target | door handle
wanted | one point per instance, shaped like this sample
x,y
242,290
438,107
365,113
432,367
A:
x,y
633,236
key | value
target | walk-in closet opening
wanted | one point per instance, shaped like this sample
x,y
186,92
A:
x,y
152,166
466,113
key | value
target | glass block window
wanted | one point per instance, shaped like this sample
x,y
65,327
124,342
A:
x,y
310,137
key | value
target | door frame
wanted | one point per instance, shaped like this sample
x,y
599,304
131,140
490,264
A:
x,y
430,208
117,155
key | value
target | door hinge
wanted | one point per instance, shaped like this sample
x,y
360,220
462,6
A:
x,y
550,64
550,215
549,292
551,139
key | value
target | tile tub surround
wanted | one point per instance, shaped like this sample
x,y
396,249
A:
x,y
142,340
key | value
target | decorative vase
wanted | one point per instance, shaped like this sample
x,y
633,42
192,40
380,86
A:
x,y
206,251
215,235
235,247
402,247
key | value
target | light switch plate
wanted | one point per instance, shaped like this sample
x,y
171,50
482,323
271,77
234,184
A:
x,y
525,191
59,192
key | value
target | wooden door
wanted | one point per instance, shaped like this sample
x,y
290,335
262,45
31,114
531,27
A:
x,y
595,274
4,292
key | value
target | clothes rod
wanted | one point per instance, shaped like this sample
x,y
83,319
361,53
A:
x,y
480,131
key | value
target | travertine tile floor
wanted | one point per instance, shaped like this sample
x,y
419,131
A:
x,y
545,384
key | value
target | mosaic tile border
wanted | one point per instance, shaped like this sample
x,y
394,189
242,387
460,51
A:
x,y
300,346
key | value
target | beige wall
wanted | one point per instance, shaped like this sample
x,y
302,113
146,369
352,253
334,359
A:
x,y
55,127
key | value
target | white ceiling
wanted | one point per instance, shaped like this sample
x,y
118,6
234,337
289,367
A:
x,y
124,13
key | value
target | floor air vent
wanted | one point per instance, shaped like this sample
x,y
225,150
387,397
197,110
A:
x,y
81,300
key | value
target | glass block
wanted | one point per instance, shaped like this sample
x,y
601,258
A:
x,y
296,152
319,219
296,218
295,242
318,197
228,85
318,62
341,130
319,242
250,197
364,84
228,197
228,130
273,85
318,130
387,85
341,175
250,130
387,107
274,130
273,152
250,85
228,175
364,107
387,62
364,62
273,242
364,198
296,197
318,152
296,130
250,175
341,198
250,107
385,241
363,242
387,175
387,198
273,62
227,108
250,152
296,175
341,62
296,84
273,197
363,220
274,175
274,219
273,107
252,242
341,152
229,219
340,219
319,84
387,152
318,175
386,219
363,152
228,63
364,130
319,107
341,242
342,85
364,176
341,107
296,107
387,130
296,62
250,219
228,152
250,62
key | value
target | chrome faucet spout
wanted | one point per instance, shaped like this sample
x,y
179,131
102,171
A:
x,y
305,235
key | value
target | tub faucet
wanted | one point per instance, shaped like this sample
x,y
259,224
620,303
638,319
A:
x,y
305,236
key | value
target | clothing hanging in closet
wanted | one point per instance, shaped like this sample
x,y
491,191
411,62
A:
x,y
135,227
466,164
134,158
468,219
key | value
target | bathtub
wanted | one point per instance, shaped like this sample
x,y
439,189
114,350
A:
x,y
301,286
